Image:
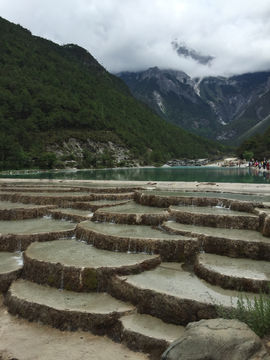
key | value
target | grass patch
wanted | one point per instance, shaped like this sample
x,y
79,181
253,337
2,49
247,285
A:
x,y
256,314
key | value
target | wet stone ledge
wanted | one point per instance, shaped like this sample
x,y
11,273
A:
x,y
83,278
90,206
166,201
169,250
221,245
44,199
61,201
147,334
247,221
10,269
58,188
170,309
266,226
6,279
100,320
110,190
62,215
233,280
20,242
24,213
113,196
31,189
131,219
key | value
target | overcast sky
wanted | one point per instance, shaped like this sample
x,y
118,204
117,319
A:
x,y
132,35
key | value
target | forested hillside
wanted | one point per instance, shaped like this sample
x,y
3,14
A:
x,y
51,93
257,147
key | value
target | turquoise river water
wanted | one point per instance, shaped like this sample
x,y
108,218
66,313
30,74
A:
x,y
183,173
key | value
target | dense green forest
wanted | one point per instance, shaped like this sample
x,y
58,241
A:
x,y
257,147
49,93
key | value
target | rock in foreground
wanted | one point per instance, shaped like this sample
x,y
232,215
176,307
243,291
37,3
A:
x,y
217,339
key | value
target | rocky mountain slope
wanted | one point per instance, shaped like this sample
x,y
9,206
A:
x,y
225,109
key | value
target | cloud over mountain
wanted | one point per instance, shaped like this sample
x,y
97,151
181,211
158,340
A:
x,y
135,35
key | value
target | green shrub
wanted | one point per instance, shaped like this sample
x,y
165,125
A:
x,y
248,155
59,165
256,314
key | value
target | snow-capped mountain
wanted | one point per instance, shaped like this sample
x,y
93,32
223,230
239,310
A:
x,y
215,107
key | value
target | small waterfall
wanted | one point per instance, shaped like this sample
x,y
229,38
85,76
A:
x,y
81,272
201,249
62,280
20,245
19,258
129,252
161,228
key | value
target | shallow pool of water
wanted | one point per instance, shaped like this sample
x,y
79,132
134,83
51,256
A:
x,y
183,173
211,210
78,254
132,208
133,231
207,194
34,226
10,261
171,279
10,205
249,269
235,234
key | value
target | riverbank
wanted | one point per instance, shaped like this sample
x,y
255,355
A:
x,y
166,185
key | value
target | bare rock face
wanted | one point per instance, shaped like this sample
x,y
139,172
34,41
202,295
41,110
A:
x,y
215,340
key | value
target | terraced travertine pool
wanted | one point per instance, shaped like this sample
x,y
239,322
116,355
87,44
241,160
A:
x,y
97,303
115,279
56,194
217,194
34,226
132,208
73,212
231,267
10,261
134,231
238,234
81,255
217,210
10,205
171,279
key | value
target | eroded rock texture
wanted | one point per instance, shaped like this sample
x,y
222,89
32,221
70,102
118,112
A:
x,y
217,339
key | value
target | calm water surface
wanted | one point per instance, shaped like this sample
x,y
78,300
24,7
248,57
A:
x,y
183,173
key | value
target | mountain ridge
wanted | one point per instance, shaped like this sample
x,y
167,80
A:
x,y
240,100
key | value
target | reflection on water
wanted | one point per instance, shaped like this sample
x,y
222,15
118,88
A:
x,y
183,173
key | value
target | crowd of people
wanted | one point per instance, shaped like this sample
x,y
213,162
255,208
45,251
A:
x,y
260,164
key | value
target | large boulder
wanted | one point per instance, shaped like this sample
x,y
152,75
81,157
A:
x,y
217,339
